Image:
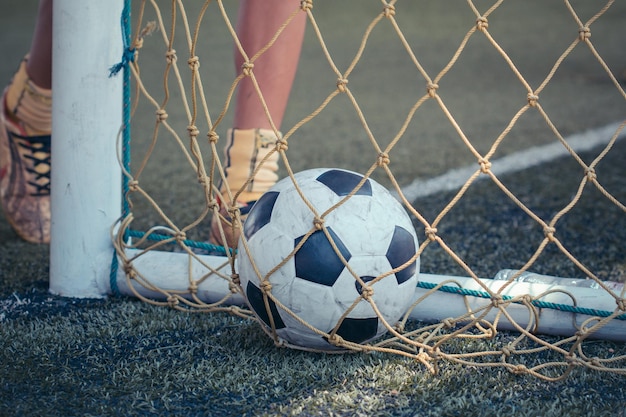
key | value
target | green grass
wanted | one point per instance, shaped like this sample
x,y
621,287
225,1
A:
x,y
118,356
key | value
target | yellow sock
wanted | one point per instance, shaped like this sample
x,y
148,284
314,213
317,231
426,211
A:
x,y
244,151
28,104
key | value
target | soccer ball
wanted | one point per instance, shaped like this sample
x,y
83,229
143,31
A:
x,y
285,246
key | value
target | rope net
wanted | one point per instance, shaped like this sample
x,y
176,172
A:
x,y
471,84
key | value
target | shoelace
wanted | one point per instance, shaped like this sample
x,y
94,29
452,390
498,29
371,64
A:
x,y
39,148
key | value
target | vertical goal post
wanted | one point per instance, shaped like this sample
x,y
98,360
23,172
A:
x,y
86,193
87,190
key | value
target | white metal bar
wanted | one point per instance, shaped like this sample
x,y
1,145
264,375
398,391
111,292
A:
x,y
86,118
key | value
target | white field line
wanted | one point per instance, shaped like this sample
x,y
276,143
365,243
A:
x,y
455,178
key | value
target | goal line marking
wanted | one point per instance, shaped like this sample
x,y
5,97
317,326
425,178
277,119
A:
x,y
518,161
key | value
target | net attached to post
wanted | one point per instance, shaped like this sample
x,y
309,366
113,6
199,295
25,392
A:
x,y
182,75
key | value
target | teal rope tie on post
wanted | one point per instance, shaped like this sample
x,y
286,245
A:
x,y
214,250
128,55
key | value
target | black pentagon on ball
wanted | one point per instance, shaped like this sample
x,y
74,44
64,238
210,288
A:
x,y
358,330
401,249
255,298
260,214
343,182
316,261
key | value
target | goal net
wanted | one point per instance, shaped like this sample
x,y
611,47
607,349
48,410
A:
x,y
496,125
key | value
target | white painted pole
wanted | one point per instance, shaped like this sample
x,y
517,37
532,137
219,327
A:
x,y
86,118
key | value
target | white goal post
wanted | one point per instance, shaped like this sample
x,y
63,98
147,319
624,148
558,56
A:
x,y
87,194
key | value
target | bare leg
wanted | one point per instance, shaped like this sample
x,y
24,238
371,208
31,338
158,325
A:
x,y
251,164
275,70
39,65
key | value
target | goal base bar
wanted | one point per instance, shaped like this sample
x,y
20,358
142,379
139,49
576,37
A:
x,y
161,271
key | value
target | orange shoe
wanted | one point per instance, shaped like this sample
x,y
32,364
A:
x,y
248,154
224,223
25,114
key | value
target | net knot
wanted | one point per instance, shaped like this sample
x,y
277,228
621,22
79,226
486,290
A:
x,y
448,323
497,301
193,131
170,56
233,288
367,292
194,63
424,357
584,33
246,68
306,5
621,303
318,222
532,99
129,270
161,115
383,159
485,165
431,233
203,179
591,174
526,299
341,84
549,232
581,333
172,301
482,23
235,278
180,236
213,204
336,340
519,369
389,11
193,288
266,287
571,357
281,145
213,137
233,210
133,185
431,89
508,351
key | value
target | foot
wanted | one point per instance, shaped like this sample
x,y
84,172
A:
x,y
224,231
25,159
250,165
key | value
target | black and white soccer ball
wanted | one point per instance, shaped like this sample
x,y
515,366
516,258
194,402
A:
x,y
374,235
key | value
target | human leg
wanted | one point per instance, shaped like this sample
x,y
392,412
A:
x,y
254,130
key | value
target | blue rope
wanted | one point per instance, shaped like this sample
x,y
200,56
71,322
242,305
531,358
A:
x,y
209,247
536,303
129,53
128,56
